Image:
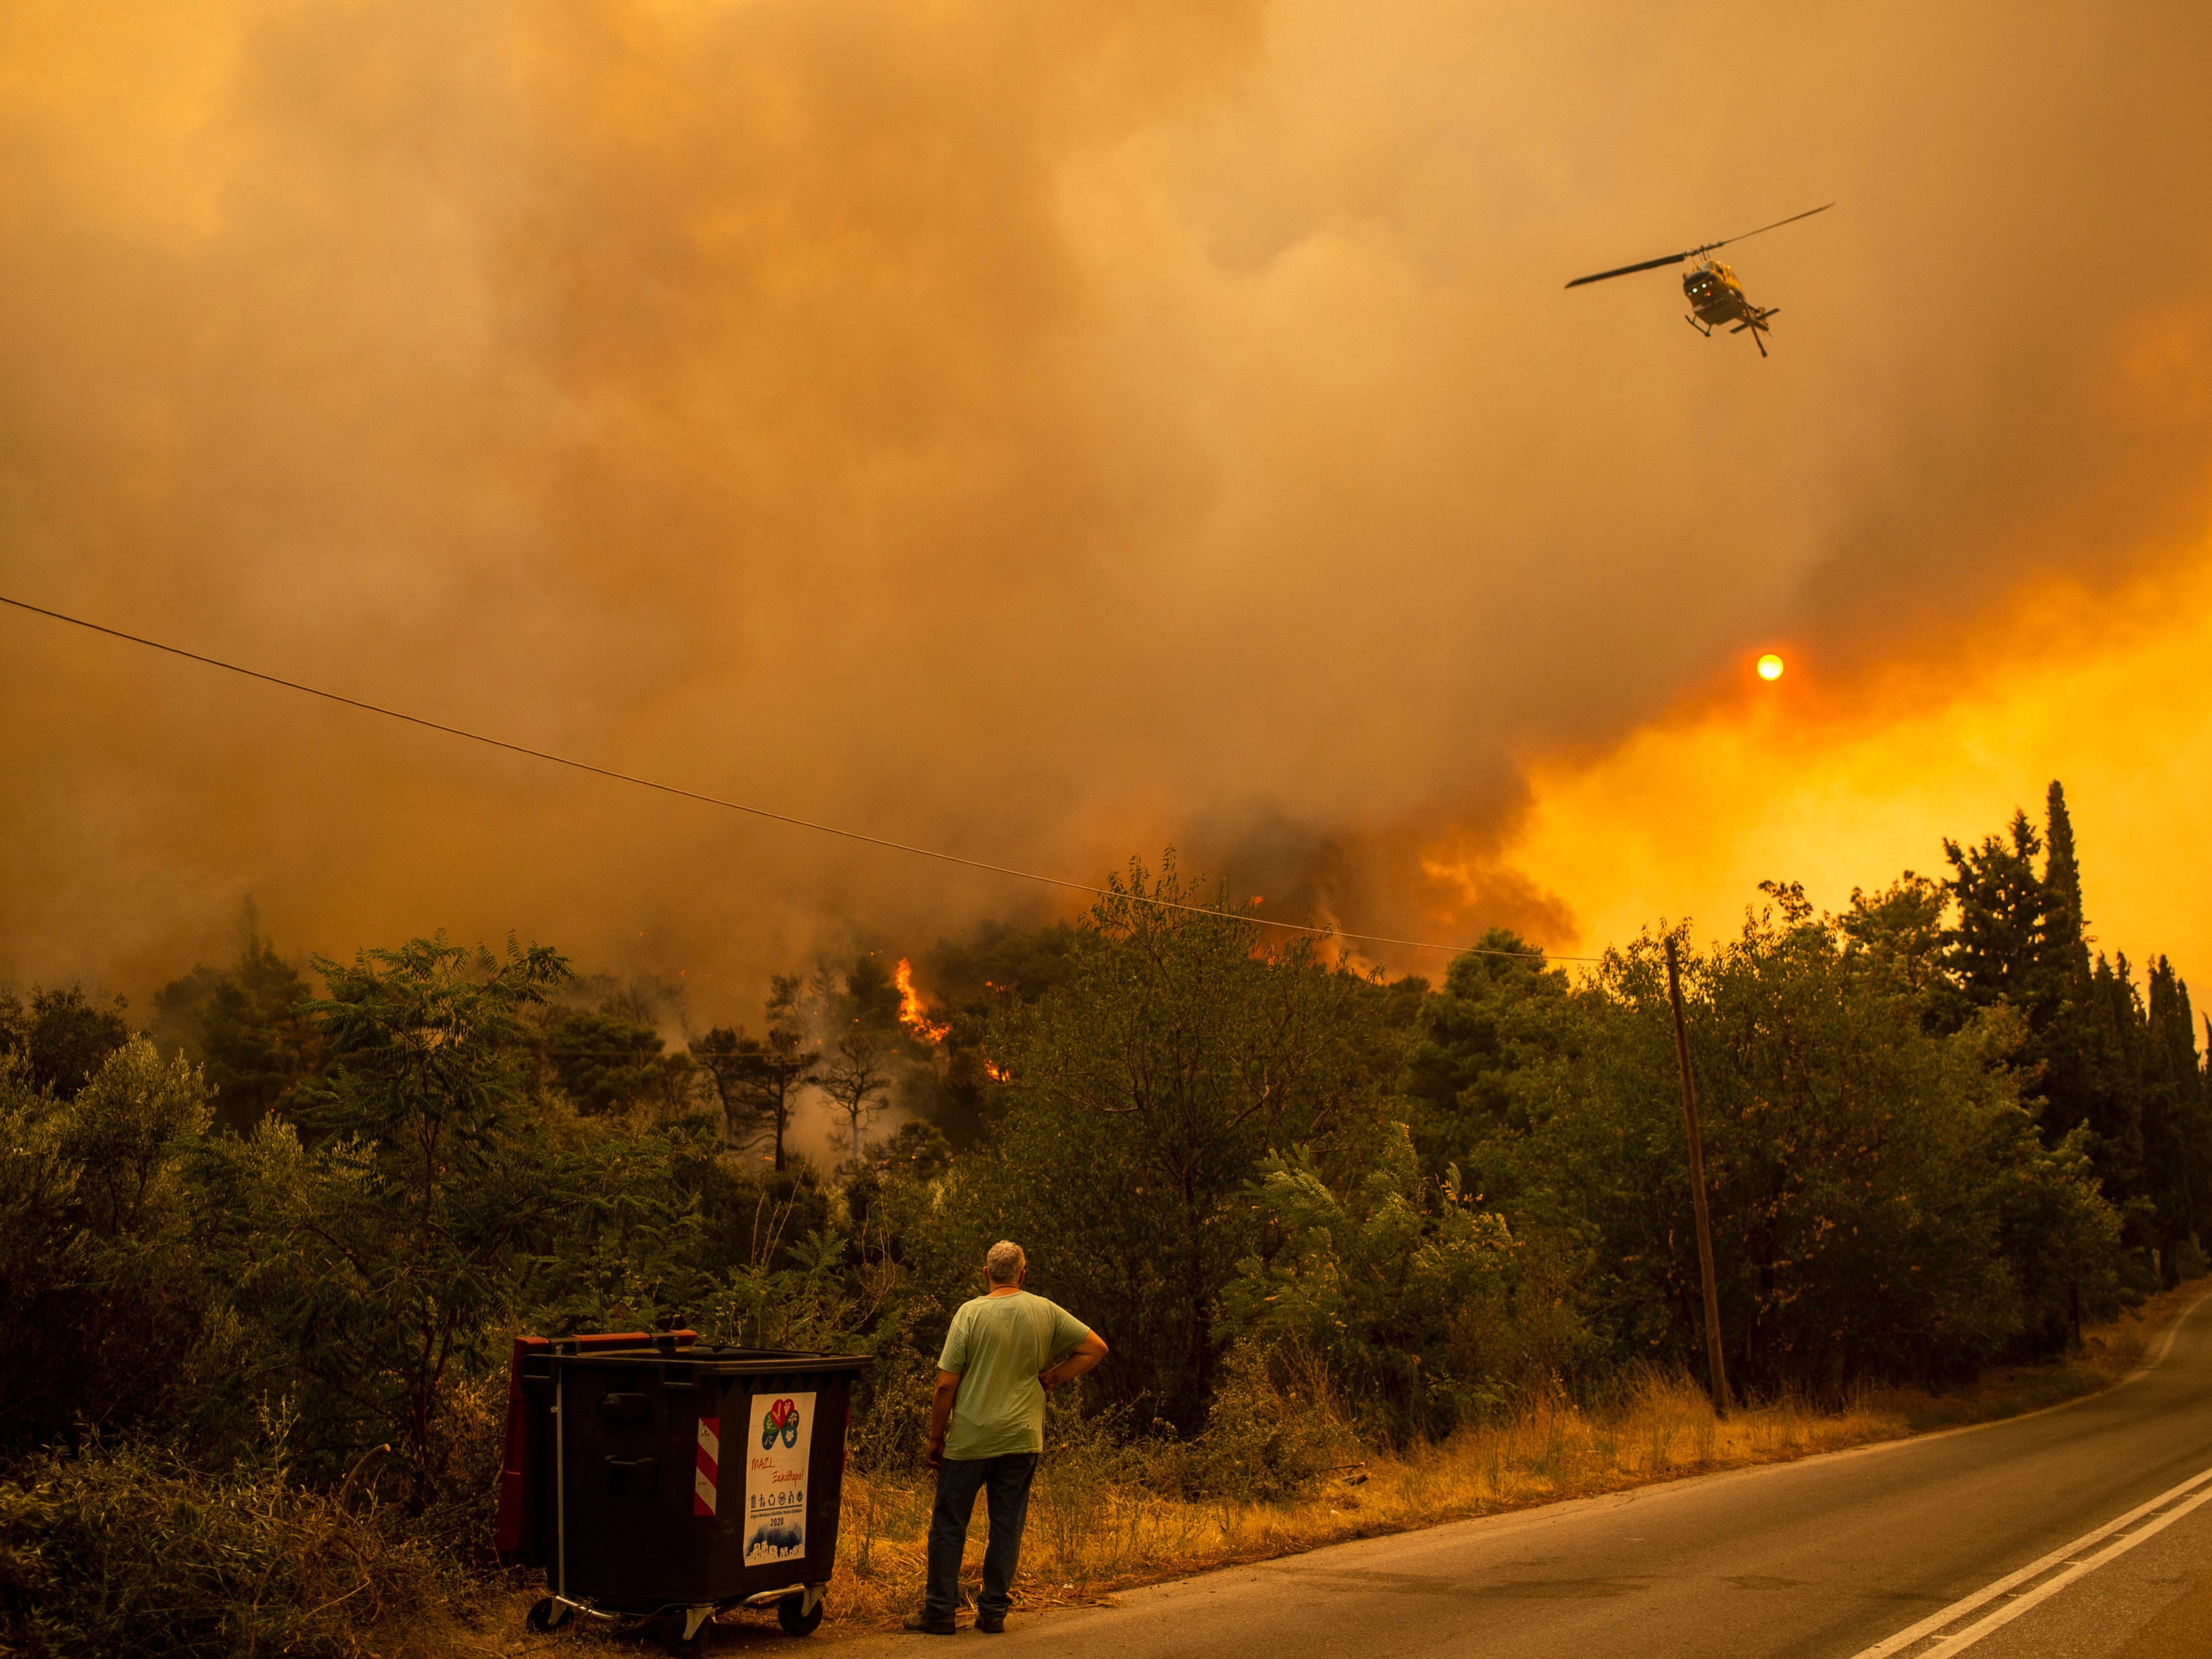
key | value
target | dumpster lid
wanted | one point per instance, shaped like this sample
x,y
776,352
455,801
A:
x,y
642,1342
708,1360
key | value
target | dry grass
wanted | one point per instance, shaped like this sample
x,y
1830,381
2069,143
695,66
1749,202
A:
x,y
1087,1535
1092,1531
1096,1527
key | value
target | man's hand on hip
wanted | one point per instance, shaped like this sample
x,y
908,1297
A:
x,y
1088,1353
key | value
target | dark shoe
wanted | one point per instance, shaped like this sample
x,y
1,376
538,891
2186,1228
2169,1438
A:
x,y
989,1626
928,1626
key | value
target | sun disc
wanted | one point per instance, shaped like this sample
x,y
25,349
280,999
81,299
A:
x,y
1770,667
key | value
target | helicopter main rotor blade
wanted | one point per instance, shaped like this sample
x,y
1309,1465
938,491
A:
x,y
1649,265
1762,229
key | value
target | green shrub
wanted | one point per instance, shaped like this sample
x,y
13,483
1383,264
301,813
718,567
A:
x,y
1400,1289
1275,1427
124,1548
99,1297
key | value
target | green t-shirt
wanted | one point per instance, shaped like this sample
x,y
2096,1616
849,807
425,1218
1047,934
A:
x,y
997,1345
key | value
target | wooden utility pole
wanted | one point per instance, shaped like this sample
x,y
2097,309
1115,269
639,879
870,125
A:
x,y
1698,1189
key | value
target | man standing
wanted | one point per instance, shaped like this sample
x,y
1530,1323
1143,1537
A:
x,y
987,1430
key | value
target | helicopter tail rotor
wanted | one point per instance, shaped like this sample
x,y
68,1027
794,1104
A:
x,y
1756,322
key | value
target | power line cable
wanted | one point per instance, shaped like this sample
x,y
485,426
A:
x,y
763,811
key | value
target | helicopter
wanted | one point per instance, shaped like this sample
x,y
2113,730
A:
x,y
1716,297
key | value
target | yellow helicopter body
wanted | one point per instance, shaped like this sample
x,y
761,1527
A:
x,y
1717,299
1715,295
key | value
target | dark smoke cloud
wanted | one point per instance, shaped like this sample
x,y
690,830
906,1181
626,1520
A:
x,y
1047,432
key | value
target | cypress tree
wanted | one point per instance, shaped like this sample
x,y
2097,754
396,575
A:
x,y
2021,938
2065,932
2070,1038
2173,1108
2115,1033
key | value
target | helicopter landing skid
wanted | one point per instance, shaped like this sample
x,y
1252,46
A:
x,y
1698,325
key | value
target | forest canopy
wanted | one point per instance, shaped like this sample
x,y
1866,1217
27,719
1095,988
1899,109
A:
x,y
300,1215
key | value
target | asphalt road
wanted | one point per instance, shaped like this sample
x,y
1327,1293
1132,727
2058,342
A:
x,y
2155,1602
1824,1559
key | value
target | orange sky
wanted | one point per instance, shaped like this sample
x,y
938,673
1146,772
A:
x,y
1051,433
1840,787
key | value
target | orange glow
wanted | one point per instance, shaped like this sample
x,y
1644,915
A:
x,y
993,1072
1685,817
912,1015
1770,667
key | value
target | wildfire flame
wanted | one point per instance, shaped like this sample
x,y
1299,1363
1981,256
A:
x,y
912,1015
993,1072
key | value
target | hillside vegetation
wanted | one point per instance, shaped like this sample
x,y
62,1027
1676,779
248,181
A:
x,y
260,1262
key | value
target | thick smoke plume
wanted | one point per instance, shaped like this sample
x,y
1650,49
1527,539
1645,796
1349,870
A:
x,y
1044,431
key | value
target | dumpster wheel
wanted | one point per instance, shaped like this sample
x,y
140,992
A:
x,y
800,1611
686,1630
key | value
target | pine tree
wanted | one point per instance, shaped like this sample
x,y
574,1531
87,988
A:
x,y
758,1080
1994,949
246,1024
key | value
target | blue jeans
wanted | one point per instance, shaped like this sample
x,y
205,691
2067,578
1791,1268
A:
x,y
1006,1478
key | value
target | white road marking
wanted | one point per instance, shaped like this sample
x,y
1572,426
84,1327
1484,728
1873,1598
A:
x,y
2039,1580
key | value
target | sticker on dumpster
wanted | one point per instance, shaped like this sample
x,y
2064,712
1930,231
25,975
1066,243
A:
x,y
778,1436
710,1458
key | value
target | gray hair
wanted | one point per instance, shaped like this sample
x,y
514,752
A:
x,y
1005,1262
